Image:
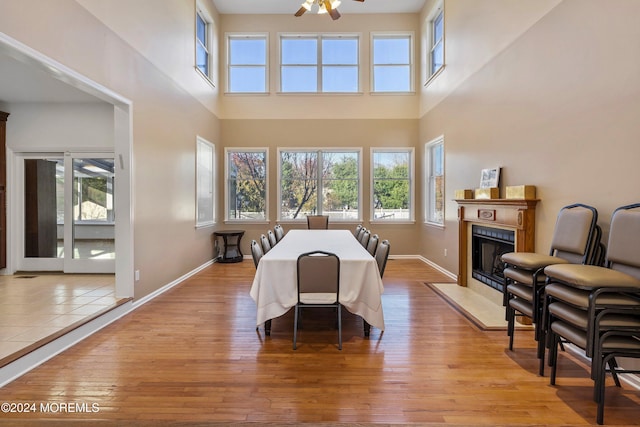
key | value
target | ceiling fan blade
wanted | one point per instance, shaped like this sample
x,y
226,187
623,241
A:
x,y
300,11
361,1
334,14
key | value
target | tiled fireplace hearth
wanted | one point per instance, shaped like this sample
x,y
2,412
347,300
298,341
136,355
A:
x,y
487,228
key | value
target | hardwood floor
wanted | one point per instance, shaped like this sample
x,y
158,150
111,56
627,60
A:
x,y
193,355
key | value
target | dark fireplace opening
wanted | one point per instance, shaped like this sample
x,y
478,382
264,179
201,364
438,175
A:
x,y
487,246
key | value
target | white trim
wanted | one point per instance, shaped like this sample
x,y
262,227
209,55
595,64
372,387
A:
x,y
201,141
427,169
412,66
412,184
227,54
228,150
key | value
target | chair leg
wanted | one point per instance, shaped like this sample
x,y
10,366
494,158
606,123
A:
x,y
295,327
613,364
553,357
339,327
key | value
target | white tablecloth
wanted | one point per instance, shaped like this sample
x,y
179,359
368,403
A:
x,y
274,287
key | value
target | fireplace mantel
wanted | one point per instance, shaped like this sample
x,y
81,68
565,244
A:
x,y
518,215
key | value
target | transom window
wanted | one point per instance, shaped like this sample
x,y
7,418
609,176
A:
x,y
319,63
246,173
434,197
392,64
436,54
203,43
392,186
247,63
322,182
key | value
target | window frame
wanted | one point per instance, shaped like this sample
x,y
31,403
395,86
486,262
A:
x,y
392,35
210,179
411,178
319,65
246,35
429,200
432,43
229,150
202,14
320,200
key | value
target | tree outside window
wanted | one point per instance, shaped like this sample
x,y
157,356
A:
x,y
319,182
246,184
392,176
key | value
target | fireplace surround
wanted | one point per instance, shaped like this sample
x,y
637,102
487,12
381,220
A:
x,y
500,217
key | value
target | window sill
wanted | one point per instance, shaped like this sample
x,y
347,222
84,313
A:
x,y
433,76
320,93
410,93
434,225
394,222
246,221
247,93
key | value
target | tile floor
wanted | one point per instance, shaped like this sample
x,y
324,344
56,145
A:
x,y
34,306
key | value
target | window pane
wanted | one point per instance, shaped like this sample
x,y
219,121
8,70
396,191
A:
x,y
201,29
437,57
247,191
391,50
341,185
438,27
299,51
204,184
391,185
392,78
299,79
340,51
202,59
251,51
247,79
298,184
339,79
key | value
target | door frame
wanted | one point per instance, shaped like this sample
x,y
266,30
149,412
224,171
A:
x,y
123,152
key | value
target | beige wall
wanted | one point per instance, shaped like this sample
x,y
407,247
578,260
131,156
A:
x,y
557,108
166,119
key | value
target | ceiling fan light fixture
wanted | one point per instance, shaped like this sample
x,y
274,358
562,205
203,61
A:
x,y
322,9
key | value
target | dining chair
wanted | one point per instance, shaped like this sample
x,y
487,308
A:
x,y
256,252
279,232
360,233
356,232
318,283
373,244
317,222
382,254
272,238
264,241
575,236
364,238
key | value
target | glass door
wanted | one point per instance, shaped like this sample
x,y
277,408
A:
x,y
68,213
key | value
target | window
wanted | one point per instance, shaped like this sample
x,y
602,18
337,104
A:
x,y
203,43
247,63
205,161
246,172
436,38
392,187
392,64
322,182
319,63
434,161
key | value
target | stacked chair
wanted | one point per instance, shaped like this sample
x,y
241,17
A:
x,y
575,239
597,308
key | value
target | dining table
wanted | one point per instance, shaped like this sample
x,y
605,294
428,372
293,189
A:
x,y
274,287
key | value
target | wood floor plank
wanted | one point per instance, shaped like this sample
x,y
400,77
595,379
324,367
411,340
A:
x,y
194,355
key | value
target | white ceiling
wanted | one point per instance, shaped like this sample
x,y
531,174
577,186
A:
x,y
291,6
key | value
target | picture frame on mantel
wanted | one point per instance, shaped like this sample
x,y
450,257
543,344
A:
x,y
490,178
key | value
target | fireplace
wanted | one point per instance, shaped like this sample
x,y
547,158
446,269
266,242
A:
x,y
493,219
487,246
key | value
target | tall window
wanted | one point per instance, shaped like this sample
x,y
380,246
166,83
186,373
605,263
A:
x,y
392,186
436,37
247,63
434,197
392,64
205,161
246,172
203,43
314,63
317,181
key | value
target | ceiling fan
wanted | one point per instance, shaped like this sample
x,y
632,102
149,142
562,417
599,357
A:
x,y
324,6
